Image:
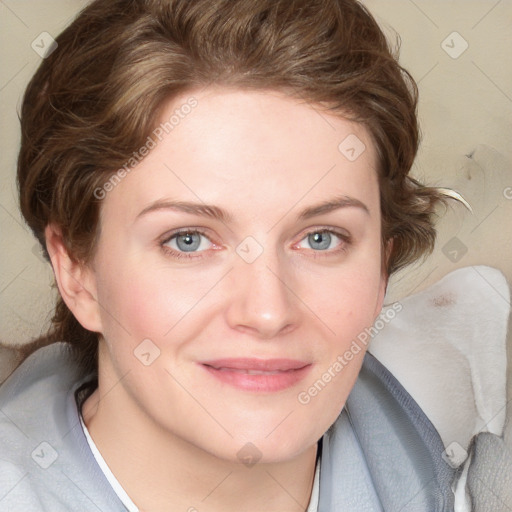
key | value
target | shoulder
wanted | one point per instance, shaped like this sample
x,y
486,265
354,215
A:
x,y
15,489
35,392
45,462
31,405
34,395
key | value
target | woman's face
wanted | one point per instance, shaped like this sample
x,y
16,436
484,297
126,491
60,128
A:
x,y
236,264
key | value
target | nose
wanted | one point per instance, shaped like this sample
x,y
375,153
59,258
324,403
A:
x,y
262,301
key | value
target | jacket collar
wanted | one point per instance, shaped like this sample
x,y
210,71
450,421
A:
x,y
383,453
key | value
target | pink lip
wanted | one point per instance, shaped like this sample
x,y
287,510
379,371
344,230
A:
x,y
263,375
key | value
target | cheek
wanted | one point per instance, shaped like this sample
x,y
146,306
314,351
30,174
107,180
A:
x,y
349,303
359,302
133,303
141,301
348,309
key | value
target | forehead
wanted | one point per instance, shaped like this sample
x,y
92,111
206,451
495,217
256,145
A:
x,y
251,151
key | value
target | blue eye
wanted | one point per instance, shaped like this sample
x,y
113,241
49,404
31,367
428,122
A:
x,y
187,241
323,240
194,244
320,240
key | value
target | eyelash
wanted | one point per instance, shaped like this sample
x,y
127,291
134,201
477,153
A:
x,y
346,241
182,255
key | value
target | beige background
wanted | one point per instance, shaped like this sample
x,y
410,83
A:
x,y
465,113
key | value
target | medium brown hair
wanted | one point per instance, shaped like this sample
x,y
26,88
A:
x,y
96,98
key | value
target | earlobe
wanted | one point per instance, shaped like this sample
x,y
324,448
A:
x,y
75,280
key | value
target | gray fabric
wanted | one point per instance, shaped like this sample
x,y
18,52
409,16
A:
x,y
37,405
381,454
345,480
490,474
401,448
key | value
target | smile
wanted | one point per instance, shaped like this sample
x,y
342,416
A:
x,y
258,375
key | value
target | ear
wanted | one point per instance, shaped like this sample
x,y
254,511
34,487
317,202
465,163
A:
x,y
76,281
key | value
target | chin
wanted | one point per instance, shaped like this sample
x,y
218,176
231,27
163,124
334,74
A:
x,y
273,448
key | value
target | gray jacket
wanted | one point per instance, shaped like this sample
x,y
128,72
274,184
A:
x,y
381,454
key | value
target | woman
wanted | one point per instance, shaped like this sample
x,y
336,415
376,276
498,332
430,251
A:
x,y
222,189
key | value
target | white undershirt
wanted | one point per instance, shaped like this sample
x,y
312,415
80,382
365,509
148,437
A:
x,y
131,507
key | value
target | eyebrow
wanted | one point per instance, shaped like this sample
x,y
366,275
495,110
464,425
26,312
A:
x,y
333,204
214,212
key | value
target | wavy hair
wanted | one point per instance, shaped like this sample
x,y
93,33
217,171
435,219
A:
x,y
96,98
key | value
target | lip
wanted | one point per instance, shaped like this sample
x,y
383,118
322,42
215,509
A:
x,y
259,375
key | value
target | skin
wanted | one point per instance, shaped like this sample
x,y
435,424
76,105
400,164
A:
x,y
169,431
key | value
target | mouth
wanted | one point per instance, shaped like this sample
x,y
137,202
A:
x,y
258,375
